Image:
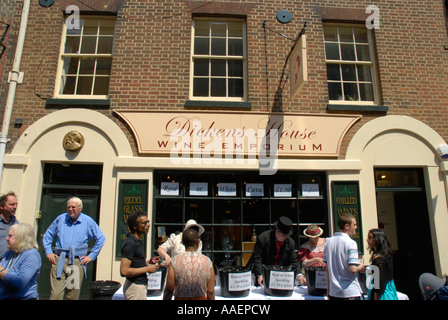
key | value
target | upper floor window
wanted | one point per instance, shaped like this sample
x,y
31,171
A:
x,y
350,65
86,59
218,60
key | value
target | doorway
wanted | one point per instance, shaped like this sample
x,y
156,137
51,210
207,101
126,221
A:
x,y
62,181
404,217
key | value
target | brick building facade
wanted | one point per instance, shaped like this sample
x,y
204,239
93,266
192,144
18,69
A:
x,y
116,73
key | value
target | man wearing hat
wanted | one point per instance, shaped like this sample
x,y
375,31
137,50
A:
x,y
274,247
174,242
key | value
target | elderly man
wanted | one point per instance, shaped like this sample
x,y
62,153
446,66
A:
x,y
73,229
274,247
8,207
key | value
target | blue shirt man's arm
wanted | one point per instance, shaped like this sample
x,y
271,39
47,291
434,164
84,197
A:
x,y
49,236
97,235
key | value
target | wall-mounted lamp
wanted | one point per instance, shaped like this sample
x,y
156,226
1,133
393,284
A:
x,y
443,151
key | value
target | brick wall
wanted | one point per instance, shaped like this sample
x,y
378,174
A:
x,y
152,56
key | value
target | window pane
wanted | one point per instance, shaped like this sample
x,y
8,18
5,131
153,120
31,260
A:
x,y
87,66
103,66
331,33
107,27
101,86
201,46
235,47
335,91
218,87
90,31
90,26
235,68
88,45
348,72
332,51
218,68
201,67
68,85
70,65
72,44
219,47
200,87
201,28
351,92
361,35
236,88
235,30
74,31
346,34
333,72
105,44
364,73
84,85
363,52
366,91
348,52
219,30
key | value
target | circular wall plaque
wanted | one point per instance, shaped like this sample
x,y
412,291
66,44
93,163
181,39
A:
x,y
73,141
283,16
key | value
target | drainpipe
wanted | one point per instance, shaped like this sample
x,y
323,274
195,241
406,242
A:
x,y
14,80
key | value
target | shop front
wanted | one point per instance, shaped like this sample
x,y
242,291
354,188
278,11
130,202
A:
x,y
390,176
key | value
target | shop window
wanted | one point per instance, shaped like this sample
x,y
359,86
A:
x,y
231,207
86,59
350,63
218,62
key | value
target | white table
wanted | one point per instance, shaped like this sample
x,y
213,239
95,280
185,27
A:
x,y
256,293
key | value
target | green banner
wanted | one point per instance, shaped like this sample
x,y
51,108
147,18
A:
x,y
346,200
132,196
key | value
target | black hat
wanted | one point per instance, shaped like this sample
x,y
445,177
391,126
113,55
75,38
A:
x,y
284,225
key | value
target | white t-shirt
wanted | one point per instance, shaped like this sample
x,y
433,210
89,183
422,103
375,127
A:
x,y
340,252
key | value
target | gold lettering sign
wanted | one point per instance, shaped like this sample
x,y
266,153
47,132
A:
x,y
237,133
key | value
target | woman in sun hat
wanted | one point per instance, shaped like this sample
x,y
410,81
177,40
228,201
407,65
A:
x,y
311,253
174,242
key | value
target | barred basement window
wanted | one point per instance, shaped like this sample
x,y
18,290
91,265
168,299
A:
x,y
86,59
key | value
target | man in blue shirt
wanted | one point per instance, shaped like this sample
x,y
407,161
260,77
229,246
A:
x,y
8,207
73,229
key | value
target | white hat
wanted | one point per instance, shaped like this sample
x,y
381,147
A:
x,y
192,223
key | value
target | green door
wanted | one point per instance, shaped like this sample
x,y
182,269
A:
x,y
55,194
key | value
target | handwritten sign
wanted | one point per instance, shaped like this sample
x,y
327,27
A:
x,y
254,190
154,280
321,280
227,189
169,188
240,281
282,190
198,189
281,280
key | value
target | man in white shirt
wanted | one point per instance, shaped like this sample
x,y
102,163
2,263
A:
x,y
341,257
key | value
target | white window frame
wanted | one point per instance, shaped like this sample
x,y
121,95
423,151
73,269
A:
x,y
242,58
63,55
372,64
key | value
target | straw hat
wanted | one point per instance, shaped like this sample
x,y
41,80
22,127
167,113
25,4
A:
x,y
192,223
313,231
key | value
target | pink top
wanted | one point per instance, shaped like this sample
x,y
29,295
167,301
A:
x,y
191,272
307,252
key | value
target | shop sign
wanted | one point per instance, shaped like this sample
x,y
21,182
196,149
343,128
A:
x,y
346,200
132,196
195,135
